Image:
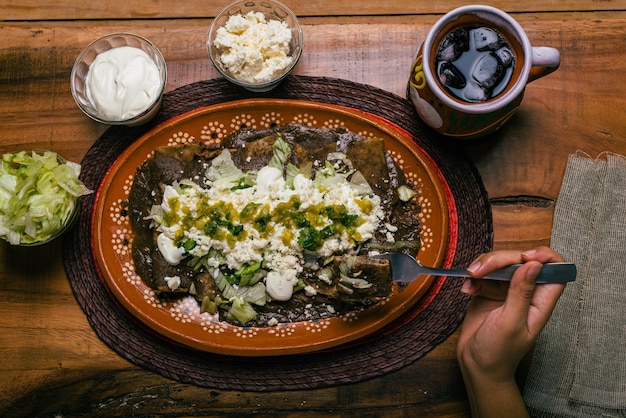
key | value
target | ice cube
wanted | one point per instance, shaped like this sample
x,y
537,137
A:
x,y
451,76
488,71
506,57
453,45
486,39
475,93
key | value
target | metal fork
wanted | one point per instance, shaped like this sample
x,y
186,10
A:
x,y
405,268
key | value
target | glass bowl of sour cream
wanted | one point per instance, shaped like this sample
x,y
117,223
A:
x,y
119,79
255,44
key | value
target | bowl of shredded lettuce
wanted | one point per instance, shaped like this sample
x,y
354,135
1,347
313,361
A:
x,y
39,196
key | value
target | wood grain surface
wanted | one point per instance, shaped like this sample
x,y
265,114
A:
x,y
51,361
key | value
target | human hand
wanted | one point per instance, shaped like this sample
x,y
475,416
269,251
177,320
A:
x,y
502,323
504,319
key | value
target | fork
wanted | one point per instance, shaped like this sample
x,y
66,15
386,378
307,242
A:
x,y
405,268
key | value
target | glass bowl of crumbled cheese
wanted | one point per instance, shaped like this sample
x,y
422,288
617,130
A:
x,y
255,44
119,79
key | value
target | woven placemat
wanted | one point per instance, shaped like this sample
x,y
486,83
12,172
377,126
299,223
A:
x,y
411,337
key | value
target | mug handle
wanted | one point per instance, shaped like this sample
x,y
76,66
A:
x,y
544,61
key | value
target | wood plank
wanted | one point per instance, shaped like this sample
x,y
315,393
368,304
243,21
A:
x,y
121,392
162,9
521,227
378,54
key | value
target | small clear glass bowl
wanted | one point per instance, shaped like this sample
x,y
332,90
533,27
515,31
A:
x,y
67,225
272,10
86,58
61,231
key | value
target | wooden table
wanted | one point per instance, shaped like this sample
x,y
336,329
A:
x,y
52,362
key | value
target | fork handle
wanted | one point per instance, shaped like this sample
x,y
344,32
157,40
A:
x,y
550,273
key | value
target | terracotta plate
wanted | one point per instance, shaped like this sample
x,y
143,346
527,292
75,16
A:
x,y
182,321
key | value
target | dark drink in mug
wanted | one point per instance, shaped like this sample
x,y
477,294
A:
x,y
471,70
474,64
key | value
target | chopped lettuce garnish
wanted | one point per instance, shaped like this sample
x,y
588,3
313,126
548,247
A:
x,y
280,152
239,299
224,173
291,171
405,194
38,195
241,311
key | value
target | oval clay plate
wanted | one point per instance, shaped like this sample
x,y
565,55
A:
x,y
181,321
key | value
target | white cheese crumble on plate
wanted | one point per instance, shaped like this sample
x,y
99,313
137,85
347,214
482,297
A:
x,y
264,221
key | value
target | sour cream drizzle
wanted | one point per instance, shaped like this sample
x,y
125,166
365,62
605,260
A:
x,y
123,82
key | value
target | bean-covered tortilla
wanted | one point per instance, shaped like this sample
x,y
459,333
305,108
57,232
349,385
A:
x,y
327,283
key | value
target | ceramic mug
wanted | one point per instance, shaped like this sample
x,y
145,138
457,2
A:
x,y
465,96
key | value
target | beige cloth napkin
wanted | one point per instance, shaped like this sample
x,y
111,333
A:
x,y
579,363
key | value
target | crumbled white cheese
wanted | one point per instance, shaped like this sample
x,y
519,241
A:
x,y
325,278
252,48
310,291
281,254
173,282
391,228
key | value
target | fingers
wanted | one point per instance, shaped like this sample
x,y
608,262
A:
x,y
488,289
542,254
521,294
484,264
488,262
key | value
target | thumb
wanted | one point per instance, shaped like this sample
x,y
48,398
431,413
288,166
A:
x,y
521,292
